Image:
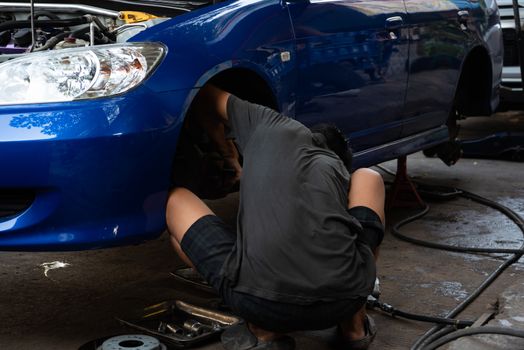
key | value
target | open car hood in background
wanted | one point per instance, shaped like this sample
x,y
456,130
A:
x,y
157,7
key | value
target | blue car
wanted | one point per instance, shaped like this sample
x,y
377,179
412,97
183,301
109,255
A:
x,y
96,96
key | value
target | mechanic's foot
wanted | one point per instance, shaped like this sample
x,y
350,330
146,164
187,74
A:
x,y
357,333
263,335
244,336
355,327
191,274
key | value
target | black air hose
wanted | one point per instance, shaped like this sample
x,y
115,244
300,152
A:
x,y
474,331
390,310
433,337
516,254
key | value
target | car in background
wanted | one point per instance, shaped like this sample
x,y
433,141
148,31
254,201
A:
x,y
511,87
95,107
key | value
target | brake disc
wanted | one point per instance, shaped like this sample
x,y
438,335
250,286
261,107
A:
x,y
132,342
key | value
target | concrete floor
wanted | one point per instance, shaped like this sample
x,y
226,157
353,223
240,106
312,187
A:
x,y
75,304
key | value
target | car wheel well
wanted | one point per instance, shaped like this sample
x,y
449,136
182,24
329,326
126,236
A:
x,y
473,95
197,164
472,98
236,80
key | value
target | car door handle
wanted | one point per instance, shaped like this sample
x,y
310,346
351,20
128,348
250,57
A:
x,y
395,22
463,18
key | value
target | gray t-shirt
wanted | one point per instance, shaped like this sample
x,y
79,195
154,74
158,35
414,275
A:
x,y
296,241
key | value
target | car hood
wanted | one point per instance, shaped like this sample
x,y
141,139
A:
x,y
157,7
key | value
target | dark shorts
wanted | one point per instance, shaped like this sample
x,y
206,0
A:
x,y
209,241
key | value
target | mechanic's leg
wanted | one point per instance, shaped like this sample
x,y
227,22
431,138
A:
x,y
184,208
367,189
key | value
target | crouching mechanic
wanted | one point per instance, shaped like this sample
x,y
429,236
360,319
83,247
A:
x,y
303,254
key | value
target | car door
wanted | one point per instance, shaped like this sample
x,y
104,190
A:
x,y
438,38
352,57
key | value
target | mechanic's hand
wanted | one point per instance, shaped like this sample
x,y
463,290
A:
x,y
234,164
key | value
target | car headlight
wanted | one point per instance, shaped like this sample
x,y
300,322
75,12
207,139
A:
x,y
79,73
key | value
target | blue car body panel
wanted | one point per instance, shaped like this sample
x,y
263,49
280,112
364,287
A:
x,y
352,58
438,49
94,169
99,170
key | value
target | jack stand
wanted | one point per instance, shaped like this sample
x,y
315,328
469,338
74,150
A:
x,y
403,193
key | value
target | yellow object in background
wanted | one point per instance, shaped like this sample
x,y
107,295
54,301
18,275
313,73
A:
x,y
135,16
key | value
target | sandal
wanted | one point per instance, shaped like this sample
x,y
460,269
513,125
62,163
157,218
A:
x,y
362,343
239,337
190,276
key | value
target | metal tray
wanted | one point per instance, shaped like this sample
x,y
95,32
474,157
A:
x,y
180,324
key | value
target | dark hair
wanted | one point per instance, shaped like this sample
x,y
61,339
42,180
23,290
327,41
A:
x,y
336,141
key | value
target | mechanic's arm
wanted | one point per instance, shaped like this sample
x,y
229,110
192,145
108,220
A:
x,y
210,110
215,101
238,117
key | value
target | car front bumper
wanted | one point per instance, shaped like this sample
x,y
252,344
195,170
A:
x,y
92,173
